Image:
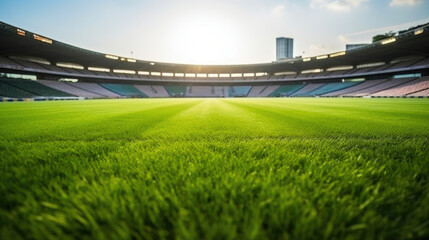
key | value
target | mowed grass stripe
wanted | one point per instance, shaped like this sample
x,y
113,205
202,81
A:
x,y
218,169
343,118
212,119
89,120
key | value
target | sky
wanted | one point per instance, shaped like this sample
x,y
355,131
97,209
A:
x,y
212,31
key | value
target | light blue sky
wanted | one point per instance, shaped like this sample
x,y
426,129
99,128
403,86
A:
x,y
212,31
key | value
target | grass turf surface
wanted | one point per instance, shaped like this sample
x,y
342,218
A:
x,y
215,169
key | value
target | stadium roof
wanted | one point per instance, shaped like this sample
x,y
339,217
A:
x,y
19,42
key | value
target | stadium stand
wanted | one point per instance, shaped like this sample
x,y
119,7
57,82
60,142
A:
x,y
71,70
255,90
55,69
306,89
404,64
423,62
336,73
176,91
87,72
94,88
423,93
153,91
29,65
238,91
64,87
286,90
262,91
268,90
329,87
123,89
205,91
380,87
36,88
43,58
366,69
199,91
101,74
357,87
7,90
414,86
4,61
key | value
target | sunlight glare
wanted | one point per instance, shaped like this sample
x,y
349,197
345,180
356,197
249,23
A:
x,y
205,39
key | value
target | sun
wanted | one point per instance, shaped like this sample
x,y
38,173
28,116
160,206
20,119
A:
x,y
205,39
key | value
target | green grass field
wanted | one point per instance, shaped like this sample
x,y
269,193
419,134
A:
x,y
215,169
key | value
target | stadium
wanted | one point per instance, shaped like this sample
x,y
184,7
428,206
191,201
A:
x,y
96,144
393,67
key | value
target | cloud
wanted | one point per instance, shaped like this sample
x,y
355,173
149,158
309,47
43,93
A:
x,y
338,5
344,39
318,49
394,3
278,9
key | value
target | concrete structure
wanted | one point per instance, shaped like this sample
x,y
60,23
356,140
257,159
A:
x,y
354,46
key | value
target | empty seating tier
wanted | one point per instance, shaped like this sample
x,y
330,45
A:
x,y
423,93
286,90
4,61
380,87
64,87
254,92
357,87
152,91
176,91
307,88
330,87
239,91
7,90
262,91
205,91
123,89
36,88
95,88
29,65
416,85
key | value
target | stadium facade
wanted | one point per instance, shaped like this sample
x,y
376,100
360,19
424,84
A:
x,y
33,66
354,46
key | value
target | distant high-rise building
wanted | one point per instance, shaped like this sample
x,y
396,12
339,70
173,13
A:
x,y
284,48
